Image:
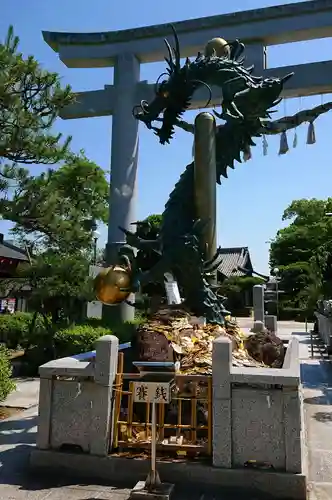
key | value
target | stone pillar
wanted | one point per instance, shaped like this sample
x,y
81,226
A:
x,y
293,429
271,323
124,156
44,413
205,181
101,408
258,303
222,403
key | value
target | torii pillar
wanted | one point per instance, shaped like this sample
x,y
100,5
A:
x,y
124,158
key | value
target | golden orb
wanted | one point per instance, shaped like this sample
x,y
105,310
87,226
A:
x,y
109,282
218,47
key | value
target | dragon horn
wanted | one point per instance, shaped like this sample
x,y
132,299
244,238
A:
x,y
169,60
177,49
237,49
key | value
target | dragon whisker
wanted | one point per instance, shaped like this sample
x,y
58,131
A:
x,y
209,89
137,110
218,115
158,79
144,105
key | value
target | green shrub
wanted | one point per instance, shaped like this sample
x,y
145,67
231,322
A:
x,y
126,331
6,383
244,312
77,339
14,328
68,341
294,314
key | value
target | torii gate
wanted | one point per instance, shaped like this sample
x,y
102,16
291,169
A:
x,y
127,49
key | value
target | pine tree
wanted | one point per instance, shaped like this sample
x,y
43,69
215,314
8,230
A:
x,y
54,214
57,209
30,101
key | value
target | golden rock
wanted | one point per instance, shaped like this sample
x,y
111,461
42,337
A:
x,y
218,47
109,283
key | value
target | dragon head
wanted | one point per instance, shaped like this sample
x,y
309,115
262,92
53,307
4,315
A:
x,y
173,92
174,88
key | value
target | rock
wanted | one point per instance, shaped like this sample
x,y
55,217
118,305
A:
x,y
266,348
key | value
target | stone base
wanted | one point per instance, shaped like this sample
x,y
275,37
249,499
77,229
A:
x,y
279,485
163,492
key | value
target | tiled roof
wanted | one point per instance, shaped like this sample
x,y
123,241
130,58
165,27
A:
x,y
232,259
10,251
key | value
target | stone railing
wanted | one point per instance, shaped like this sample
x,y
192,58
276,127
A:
x,y
75,400
325,330
257,415
257,412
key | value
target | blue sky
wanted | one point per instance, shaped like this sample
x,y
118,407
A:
x,y
251,201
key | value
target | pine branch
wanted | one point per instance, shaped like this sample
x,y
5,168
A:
x,y
30,101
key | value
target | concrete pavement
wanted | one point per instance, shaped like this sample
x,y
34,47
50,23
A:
x,y
25,396
17,437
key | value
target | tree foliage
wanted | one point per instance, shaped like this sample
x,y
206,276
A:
x,y
60,285
149,228
54,212
302,252
7,384
238,291
31,98
57,208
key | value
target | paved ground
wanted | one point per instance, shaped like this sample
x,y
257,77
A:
x,y
25,396
283,326
17,436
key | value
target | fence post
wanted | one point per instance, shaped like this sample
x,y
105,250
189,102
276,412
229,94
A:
x,y
221,403
258,303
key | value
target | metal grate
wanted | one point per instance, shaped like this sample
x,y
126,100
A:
x,y
184,426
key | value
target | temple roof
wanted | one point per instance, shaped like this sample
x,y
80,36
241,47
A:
x,y
234,258
10,251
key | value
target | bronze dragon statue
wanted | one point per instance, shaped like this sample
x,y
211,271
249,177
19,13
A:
x,y
246,112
